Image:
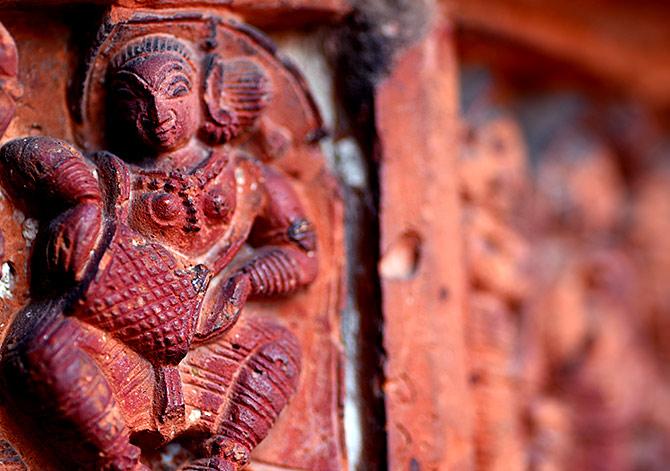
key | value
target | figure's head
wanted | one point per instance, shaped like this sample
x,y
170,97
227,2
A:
x,y
154,92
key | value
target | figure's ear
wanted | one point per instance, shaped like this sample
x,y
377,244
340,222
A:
x,y
236,92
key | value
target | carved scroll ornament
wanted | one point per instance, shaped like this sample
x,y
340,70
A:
x,y
151,241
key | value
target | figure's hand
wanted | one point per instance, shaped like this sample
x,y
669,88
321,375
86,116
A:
x,y
72,237
229,303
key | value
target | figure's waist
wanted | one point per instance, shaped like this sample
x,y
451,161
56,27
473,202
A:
x,y
146,296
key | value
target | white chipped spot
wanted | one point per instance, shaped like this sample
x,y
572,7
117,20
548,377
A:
x,y
19,216
195,415
7,281
170,452
29,230
351,163
239,177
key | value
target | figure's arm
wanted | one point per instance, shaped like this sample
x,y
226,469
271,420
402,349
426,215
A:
x,y
52,182
284,260
285,257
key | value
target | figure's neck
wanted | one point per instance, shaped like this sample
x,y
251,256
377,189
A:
x,y
185,158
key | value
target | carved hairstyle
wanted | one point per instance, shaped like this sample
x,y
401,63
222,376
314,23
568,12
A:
x,y
236,92
151,44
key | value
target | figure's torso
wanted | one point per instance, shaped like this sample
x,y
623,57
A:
x,y
187,211
173,234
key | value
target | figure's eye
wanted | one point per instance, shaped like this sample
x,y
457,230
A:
x,y
179,91
179,86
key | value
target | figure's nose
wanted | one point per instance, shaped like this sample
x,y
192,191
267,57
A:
x,y
160,112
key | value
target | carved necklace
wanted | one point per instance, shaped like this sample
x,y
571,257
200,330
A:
x,y
188,186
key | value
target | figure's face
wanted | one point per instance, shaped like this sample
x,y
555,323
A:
x,y
156,99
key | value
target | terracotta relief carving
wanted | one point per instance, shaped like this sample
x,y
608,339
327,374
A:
x,y
151,241
10,89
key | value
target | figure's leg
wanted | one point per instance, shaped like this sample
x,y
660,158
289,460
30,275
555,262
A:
x,y
244,381
62,389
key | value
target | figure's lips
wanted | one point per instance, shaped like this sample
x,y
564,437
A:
x,y
166,126
163,133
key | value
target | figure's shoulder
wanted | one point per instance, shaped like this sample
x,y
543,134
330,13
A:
x,y
113,173
48,151
246,163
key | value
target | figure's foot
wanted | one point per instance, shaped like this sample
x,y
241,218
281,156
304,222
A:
x,y
224,455
229,450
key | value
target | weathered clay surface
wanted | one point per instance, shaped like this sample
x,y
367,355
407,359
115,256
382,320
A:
x,y
429,407
143,262
265,13
524,273
493,184
586,34
15,227
560,306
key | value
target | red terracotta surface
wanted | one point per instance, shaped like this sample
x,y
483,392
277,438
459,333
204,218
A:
x,y
428,403
524,250
615,41
565,368
113,230
493,179
265,13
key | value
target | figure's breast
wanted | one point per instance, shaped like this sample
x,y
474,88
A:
x,y
187,212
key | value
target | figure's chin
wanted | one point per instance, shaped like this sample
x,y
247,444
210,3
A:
x,y
166,142
165,146
160,145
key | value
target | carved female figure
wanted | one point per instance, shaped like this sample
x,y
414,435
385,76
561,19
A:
x,y
144,261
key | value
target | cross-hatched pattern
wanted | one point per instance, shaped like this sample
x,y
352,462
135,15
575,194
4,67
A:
x,y
145,298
